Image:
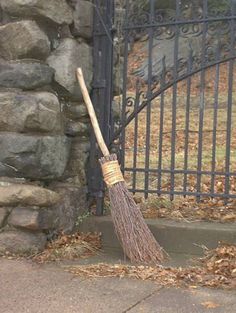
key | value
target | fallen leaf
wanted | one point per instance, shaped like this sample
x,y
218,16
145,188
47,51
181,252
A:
x,y
210,273
210,305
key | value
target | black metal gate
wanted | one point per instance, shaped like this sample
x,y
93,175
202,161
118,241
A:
x,y
102,93
176,132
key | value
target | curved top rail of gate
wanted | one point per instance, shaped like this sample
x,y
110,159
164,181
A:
x,y
180,42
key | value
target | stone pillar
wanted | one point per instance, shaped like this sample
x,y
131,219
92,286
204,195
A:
x,y
44,127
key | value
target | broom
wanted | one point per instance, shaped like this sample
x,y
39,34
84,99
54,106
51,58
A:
x,y
136,239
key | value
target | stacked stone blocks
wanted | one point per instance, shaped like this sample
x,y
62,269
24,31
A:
x,y
44,126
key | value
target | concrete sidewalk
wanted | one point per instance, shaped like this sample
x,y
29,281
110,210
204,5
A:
x,y
27,287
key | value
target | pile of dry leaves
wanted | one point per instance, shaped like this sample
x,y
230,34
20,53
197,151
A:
x,y
216,269
69,247
221,261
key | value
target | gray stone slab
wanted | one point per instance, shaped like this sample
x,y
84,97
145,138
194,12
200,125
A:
x,y
83,19
72,205
67,57
20,242
33,219
37,157
27,195
22,40
75,128
25,74
39,8
26,112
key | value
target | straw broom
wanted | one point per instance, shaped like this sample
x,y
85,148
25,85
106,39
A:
x,y
136,239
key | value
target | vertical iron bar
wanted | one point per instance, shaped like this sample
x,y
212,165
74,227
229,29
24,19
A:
x,y
124,96
215,119
187,120
94,174
202,100
229,125
162,83
230,102
106,70
108,61
102,92
149,91
136,104
174,101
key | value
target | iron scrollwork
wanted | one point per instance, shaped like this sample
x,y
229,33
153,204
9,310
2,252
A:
x,y
199,41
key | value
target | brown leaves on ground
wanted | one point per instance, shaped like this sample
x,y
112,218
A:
x,y
221,261
210,305
217,269
69,247
189,209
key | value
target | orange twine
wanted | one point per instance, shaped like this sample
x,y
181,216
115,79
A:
x,y
112,173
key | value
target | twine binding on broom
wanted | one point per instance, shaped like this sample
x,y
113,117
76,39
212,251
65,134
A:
x,y
112,173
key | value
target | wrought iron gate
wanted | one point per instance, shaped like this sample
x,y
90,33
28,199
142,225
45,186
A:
x,y
176,133
102,92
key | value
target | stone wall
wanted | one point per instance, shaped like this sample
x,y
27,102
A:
x,y
43,123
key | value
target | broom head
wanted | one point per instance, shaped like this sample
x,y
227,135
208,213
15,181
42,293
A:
x,y
136,239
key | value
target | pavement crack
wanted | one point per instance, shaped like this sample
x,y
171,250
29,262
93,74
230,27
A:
x,y
141,300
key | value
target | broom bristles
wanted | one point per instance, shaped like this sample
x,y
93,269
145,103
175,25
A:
x,y
136,239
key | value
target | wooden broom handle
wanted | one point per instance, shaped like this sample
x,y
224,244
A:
x,y
92,113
